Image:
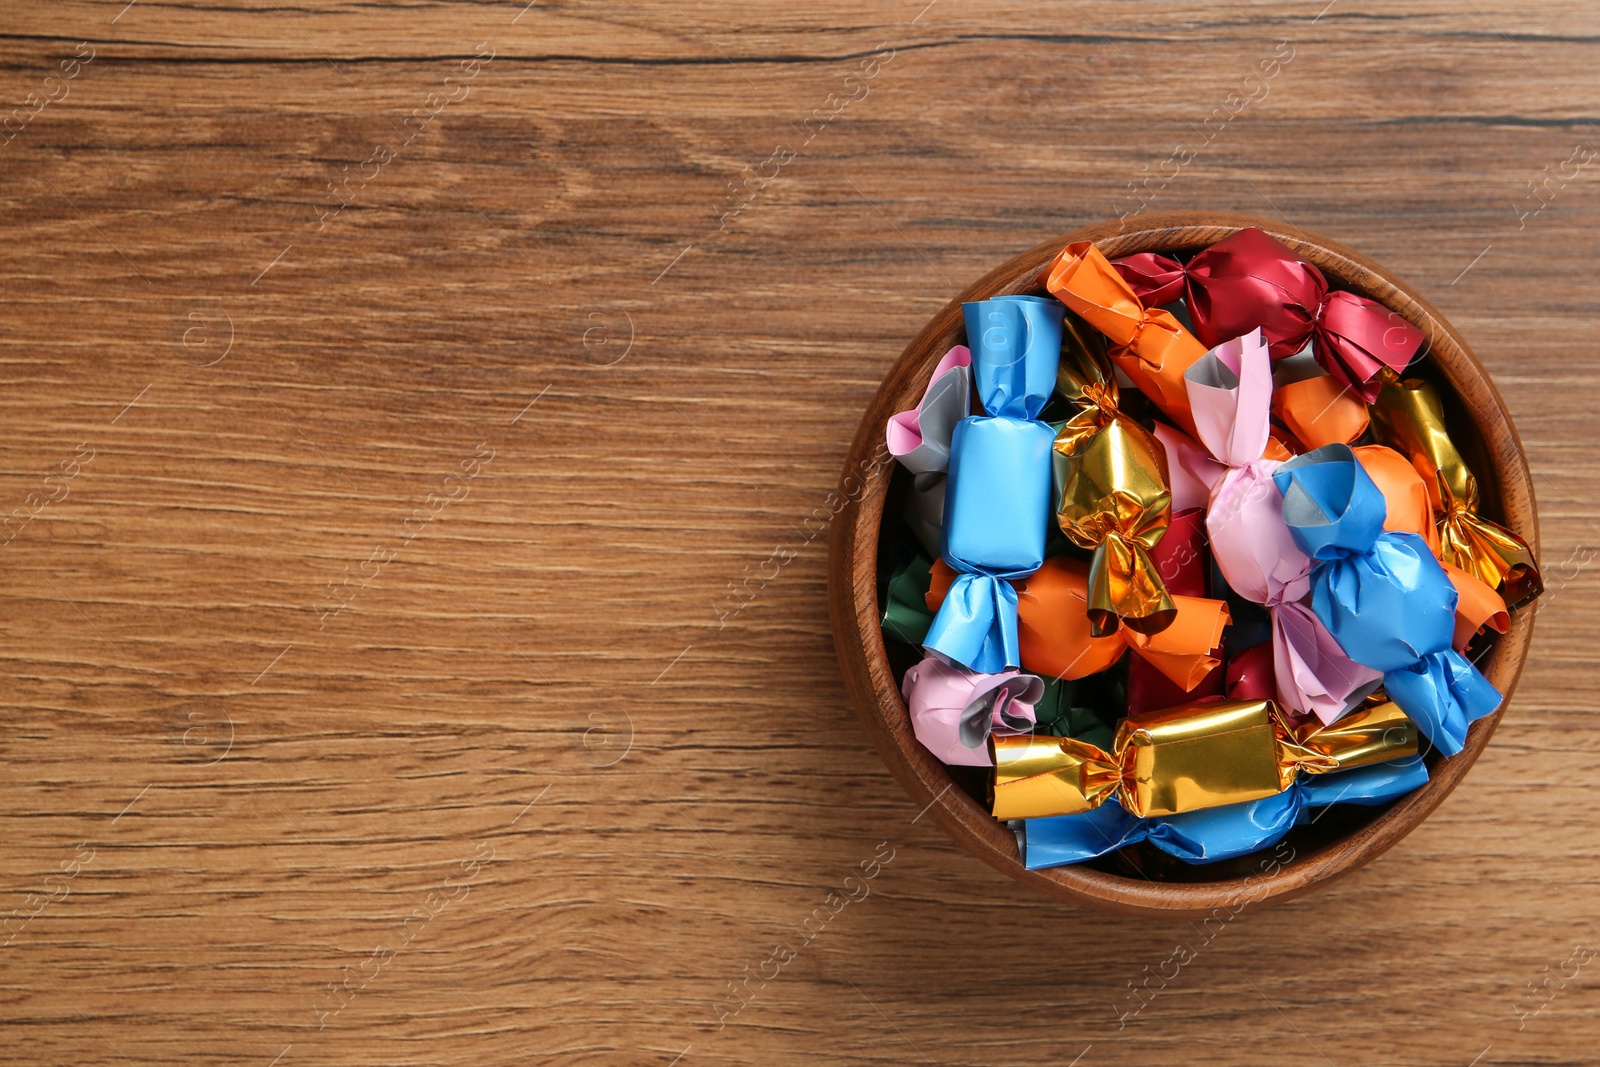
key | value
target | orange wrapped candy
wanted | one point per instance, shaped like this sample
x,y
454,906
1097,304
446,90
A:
x,y
1319,410
1150,346
1054,635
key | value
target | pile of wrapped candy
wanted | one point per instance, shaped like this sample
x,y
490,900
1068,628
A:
x,y
1186,557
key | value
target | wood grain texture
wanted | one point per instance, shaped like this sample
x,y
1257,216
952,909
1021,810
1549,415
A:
x,y
252,795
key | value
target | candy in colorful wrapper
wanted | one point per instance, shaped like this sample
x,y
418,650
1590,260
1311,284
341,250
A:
x,y
997,499
920,440
1114,500
1148,345
954,710
1409,417
1184,563
1251,280
1078,708
1407,510
1056,639
1405,498
1182,557
1383,596
906,617
1191,471
1230,391
1252,623
1214,834
1197,756
1249,674
1317,408
1479,608
1245,675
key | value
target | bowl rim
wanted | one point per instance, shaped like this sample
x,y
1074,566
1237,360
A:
x,y
853,593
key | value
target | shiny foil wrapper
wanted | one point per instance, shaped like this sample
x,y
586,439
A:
x,y
1214,834
921,439
1252,280
1056,639
1408,416
997,494
1382,595
906,617
954,710
1190,758
1114,499
1148,345
1315,407
1478,606
1184,563
1230,393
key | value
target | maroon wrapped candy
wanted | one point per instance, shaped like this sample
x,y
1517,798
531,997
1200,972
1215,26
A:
x,y
1249,674
1183,562
1250,280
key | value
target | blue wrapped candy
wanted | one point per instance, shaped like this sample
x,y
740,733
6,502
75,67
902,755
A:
x,y
998,499
1382,595
1213,834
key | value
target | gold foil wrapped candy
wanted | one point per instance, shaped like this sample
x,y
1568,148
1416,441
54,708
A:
x,y
1409,417
1188,758
1114,496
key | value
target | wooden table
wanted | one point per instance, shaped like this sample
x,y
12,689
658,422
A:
x,y
395,396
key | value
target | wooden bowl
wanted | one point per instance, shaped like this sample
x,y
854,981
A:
x,y
1345,836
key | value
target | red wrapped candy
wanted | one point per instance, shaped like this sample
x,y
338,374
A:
x,y
1250,280
1183,561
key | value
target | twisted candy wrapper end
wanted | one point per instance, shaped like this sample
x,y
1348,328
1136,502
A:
x,y
1213,834
1056,638
1496,555
1478,606
1408,416
1230,394
1383,596
1311,671
997,498
1184,563
1230,390
1156,279
1446,694
1016,347
1149,346
906,617
1358,339
954,711
1186,759
1125,589
920,438
1114,498
1251,279
976,625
